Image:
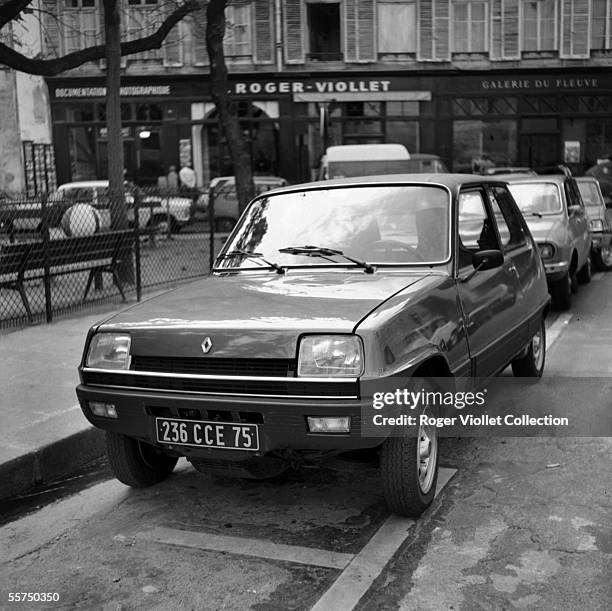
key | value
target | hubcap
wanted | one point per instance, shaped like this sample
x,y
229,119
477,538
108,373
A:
x,y
537,347
427,450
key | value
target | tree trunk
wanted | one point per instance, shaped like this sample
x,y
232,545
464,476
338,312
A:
x,y
226,107
118,211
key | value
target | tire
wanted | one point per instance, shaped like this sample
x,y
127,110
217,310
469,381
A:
x,y
224,225
531,364
135,463
603,259
561,293
409,472
585,272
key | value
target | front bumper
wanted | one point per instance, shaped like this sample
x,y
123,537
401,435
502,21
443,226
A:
x,y
556,270
282,421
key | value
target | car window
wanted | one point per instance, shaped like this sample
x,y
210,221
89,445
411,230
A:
x,y
476,229
537,197
590,194
509,225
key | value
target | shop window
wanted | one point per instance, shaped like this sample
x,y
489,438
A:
x,y
237,41
601,24
149,112
470,28
324,32
598,138
81,113
539,25
492,141
397,26
403,132
81,144
402,109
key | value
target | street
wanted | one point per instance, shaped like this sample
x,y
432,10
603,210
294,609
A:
x,y
518,523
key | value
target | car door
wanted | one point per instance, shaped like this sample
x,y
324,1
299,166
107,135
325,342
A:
x,y
578,223
488,298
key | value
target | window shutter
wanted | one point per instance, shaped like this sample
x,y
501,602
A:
x,y
264,32
51,31
575,28
505,29
198,36
360,29
434,30
294,32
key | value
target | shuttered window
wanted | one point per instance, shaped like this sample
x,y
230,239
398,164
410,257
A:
x,y
601,24
50,28
359,31
293,17
505,29
264,32
80,23
142,19
540,26
434,30
198,37
470,27
237,40
173,46
396,26
575,28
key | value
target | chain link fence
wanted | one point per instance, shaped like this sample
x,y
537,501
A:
x,y
78,247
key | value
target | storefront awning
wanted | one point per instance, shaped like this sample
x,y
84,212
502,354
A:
x,y
364,96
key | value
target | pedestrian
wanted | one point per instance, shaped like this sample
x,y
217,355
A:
x,y
188,177
173,179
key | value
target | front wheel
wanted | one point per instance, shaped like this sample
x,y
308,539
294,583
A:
x,y
531,364
603,258
561,292
585,272
409,472
135,463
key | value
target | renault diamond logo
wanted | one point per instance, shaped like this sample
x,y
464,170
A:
x,y
206,345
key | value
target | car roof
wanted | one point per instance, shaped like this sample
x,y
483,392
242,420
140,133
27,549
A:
x,y
367,152
528,178
84,183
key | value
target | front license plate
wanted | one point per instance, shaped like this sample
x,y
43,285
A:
x,y
208,434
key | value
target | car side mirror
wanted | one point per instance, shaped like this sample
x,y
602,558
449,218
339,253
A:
x,y
575,210
487,259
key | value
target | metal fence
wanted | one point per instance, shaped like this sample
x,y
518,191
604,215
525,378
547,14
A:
x,y
77,248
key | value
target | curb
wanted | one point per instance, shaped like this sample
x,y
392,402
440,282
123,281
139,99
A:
x,y
51,462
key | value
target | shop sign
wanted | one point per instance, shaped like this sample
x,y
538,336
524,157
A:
x,y
100,92
539,83
316,86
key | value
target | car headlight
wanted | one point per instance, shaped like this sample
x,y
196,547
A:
x,y
547,251
596,225
330,356
109,351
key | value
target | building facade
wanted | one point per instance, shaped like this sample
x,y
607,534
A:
x,y
520,82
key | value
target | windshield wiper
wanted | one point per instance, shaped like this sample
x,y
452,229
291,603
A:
x,y
325,253
256,256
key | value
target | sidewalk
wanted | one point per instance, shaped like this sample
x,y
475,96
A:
x,y
44,434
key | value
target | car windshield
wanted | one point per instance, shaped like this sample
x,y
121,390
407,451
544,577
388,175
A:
x,y
405,225
537,197
590,194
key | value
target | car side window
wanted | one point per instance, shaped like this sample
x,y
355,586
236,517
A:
x,y
573,194
476,229
507,216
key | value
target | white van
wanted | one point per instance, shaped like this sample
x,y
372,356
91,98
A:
x,y
363,160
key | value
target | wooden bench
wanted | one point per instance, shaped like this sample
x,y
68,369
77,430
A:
x,y
98,253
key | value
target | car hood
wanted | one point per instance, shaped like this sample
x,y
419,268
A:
x,y
547,227
256,315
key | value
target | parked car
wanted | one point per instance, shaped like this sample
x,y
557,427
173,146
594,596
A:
x,y
154,210
557,218
600,222
226,199
323,293
424,163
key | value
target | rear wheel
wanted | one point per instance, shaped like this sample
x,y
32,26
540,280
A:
x,y
135,463
531,364
585,272
561,292
409,472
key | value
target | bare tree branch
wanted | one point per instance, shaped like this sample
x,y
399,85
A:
x,y
51,67
10,10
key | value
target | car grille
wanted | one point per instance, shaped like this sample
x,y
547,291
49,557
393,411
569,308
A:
x,y
276,368
264,387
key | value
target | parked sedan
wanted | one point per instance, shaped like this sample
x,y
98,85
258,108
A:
x,y
556,216
599,222
323,294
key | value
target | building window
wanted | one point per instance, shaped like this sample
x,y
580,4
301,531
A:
x,y
143,19
575,28
237,41
80,25
601,26
470,27
324,32
539,25
397,26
